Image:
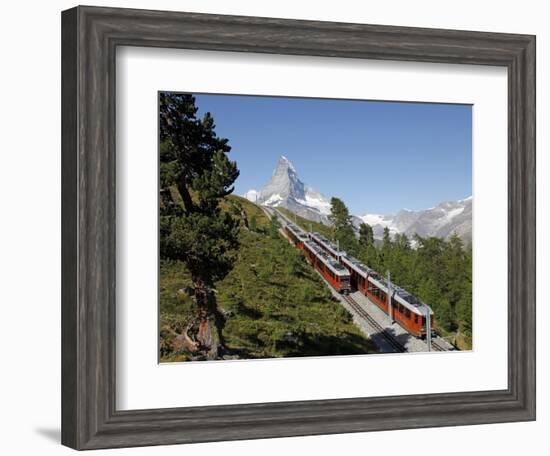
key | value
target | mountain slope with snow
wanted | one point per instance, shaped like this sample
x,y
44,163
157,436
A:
x,y
441,221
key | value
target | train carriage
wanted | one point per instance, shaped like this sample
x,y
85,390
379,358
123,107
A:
x,y
335,274
359,273
377,291
411,313
296,235
406,309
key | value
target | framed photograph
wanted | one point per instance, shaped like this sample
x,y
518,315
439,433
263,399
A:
x,y
280,228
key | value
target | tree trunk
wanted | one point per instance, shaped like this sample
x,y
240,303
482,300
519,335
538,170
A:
x,y
210,320
183,340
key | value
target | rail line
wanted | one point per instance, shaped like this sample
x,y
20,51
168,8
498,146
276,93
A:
x,y
396,345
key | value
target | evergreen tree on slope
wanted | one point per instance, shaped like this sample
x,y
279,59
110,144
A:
x,y
195,174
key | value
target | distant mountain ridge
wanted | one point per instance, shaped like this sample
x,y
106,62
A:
x,y
441,221
285,189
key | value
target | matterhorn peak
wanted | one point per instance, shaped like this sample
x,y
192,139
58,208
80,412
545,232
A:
x,y
285,189
285,163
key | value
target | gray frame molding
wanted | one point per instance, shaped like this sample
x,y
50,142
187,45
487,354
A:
x,y
90,36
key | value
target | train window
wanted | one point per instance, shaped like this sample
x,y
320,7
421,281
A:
x,y
401,308
415,318
408,313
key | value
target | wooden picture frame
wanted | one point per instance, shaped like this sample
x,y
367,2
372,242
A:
x,y
90,36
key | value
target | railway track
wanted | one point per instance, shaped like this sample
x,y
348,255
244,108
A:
x,y
395,344
438,347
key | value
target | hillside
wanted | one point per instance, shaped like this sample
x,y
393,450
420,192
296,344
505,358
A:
x,y
274,302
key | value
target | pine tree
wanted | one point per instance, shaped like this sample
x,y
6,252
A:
x,y
195,174
386,238
386,250
341,225
274,227
399,260
402,242
366,235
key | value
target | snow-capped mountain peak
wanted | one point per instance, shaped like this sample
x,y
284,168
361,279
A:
x,y
285,189
288,163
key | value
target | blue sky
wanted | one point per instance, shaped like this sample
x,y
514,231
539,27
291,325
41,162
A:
x,y
379,157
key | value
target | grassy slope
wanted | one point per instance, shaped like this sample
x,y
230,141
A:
x,y
276,304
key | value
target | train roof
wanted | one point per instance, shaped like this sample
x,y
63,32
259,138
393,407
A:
x,y
297,231
327,260
356,265
330,246
415,306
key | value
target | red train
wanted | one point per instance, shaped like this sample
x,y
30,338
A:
x,y
296,235
334,272
406,309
